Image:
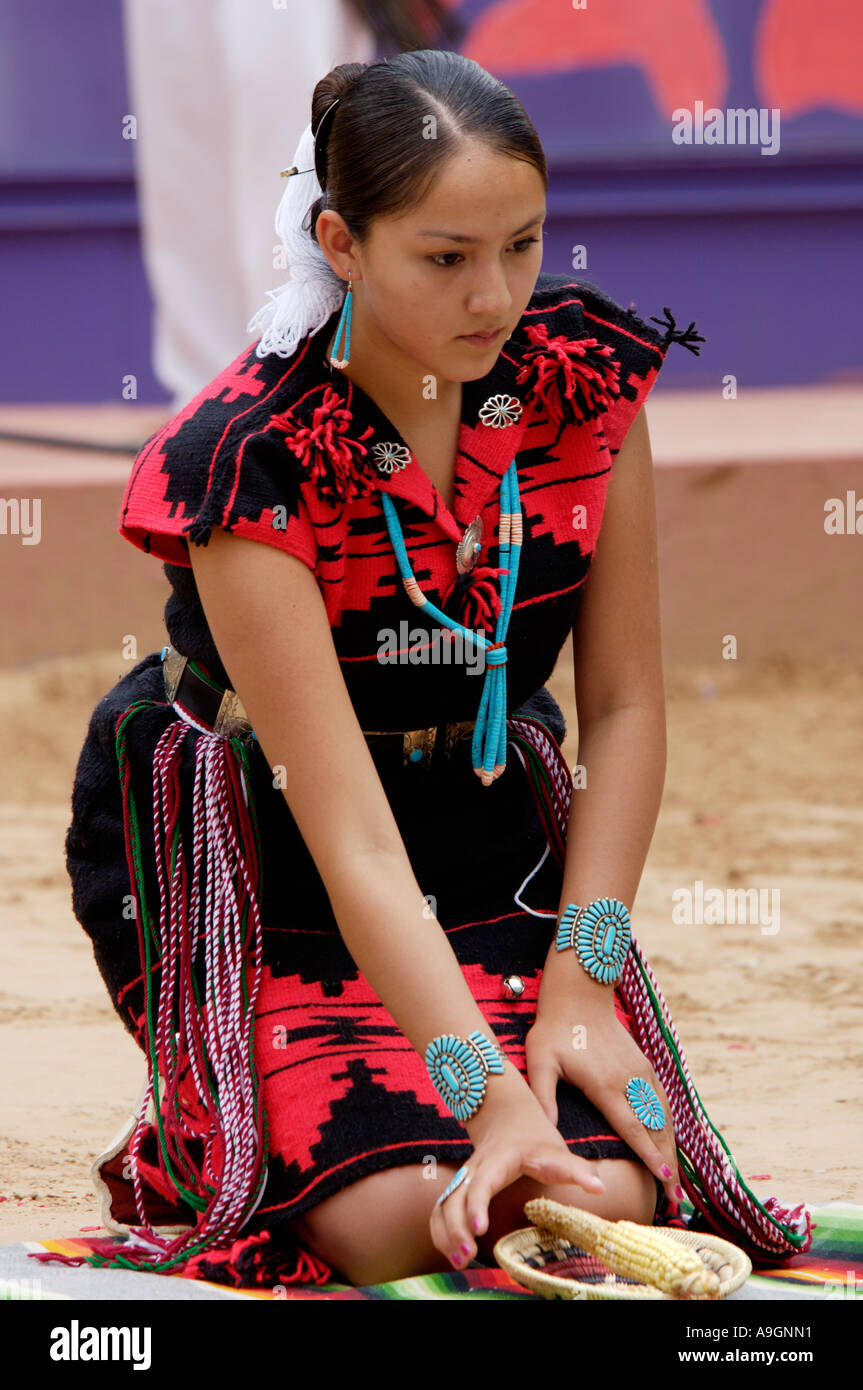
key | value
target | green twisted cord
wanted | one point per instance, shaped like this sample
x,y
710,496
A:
x,y
193,1200
689,1090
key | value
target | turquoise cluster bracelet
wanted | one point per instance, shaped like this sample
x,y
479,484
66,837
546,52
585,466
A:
x,y
458,1068
600,934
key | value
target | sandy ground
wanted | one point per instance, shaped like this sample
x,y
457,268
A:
x,y
763,791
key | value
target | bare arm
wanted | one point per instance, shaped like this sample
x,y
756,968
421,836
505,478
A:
x,y
621,727
621,711
270,625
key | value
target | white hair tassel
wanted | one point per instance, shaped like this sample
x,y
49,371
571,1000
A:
x,y
313,290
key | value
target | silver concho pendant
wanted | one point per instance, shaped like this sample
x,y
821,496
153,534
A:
x,y
466,551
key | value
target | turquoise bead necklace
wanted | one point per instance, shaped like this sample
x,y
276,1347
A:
x,y
488,747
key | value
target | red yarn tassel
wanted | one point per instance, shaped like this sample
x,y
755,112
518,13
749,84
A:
x,y
479,596
256,1262
576,379
327,455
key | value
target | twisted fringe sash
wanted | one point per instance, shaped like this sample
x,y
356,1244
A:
x,y
709,1175
213,1036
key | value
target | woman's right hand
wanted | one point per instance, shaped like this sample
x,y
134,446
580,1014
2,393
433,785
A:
x,y
513,1137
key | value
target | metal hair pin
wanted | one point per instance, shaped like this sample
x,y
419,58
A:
x,y
286,173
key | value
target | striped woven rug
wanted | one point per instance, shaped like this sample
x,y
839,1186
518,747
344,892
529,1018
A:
x,y
833,1267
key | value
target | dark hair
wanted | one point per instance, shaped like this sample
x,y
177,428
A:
x,y
372,159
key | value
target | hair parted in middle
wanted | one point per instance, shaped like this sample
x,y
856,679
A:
x,y
396,123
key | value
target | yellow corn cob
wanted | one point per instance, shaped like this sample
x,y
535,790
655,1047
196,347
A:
x,y
636,1252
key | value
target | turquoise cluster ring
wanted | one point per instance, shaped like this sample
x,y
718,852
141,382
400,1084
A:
x,y
458,1068
600,934
456,1181
645,1103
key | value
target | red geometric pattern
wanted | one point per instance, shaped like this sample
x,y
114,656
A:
x,y
305,1039
295,469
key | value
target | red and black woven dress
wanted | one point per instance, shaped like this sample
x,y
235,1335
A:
x,y
286,451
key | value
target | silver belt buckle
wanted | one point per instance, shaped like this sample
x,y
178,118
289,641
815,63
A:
x,y
231,720
173,666
453,735
422,740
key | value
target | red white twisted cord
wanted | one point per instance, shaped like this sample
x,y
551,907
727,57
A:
x,y
220,1033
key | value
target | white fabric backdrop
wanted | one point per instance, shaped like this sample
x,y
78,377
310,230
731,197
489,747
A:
x,y
221,90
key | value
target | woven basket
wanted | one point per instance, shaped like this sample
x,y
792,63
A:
x,y
554,1266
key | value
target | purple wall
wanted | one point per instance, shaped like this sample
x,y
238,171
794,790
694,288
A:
x,y
760,250
76,306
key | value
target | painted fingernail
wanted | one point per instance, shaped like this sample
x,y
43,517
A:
x,y
665,1170
465,1247
476,1224
455,1258
678,1191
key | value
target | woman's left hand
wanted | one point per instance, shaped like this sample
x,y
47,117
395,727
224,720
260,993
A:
x,y
603,1061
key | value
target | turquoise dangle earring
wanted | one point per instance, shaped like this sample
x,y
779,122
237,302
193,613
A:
x,y
344,327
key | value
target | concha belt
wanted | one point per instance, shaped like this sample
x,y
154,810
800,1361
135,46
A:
x,y
203,701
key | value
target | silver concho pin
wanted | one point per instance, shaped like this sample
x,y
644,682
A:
x,y
469,547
